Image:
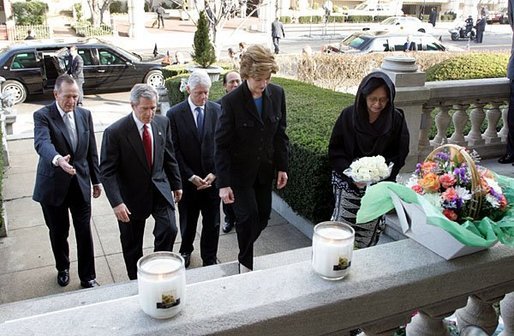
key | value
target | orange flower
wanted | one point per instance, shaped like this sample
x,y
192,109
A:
x,y
447,180
430,182
428,166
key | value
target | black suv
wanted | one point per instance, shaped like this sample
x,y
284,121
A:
x,y
32,67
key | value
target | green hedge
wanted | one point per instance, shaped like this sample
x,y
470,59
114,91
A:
x,y
470,66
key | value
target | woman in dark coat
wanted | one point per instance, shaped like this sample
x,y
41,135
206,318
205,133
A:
x,y
371,126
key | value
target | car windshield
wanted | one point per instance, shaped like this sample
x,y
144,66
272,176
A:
x,y
389,21
356,41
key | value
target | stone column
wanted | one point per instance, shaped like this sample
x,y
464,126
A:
x,y
136,11
507,313
411,95
478,312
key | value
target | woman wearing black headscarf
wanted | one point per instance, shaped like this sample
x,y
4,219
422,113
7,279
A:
x,y
371,126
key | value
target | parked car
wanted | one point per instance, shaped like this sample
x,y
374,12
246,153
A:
x,y
380,41
498,16
32,67
373,9
402,23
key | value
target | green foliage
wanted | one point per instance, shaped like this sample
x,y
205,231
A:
x,y
78,11
203,50
118,7
174,70
310,19
85,29
311,114
173,86
470,66
29,13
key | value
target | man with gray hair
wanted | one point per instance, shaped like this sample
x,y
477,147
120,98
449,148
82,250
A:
x,y
139,172
193,122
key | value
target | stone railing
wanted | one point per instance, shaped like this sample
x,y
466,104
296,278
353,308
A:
x,y
454,104
386,286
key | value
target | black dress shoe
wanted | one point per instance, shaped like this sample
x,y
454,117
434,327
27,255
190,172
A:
x,y
187,259
63,278
507,158
227,226
89,283
210,262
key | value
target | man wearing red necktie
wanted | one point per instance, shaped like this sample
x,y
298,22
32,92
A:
x,y
139,172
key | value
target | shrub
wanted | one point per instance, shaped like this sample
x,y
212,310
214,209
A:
x,y
118,7
470,66
175,96
203,50
174,70
29,13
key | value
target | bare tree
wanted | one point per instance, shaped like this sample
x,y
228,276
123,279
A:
x,y
98,8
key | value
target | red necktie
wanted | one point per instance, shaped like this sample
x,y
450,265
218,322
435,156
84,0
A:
x,y
147,142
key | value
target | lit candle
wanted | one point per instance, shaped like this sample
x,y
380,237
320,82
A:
x,y
332,248
161,279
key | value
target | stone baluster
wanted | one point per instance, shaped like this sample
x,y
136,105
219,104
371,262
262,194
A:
x,y
493,114
386,327
507,313
426,125
459,119
423,324
442,121
477,116
478,312
504,132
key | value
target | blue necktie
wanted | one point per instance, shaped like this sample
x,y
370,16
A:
x,y
199,121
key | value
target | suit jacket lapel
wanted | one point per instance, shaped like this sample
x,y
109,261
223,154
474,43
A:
x,y
61,126
80,124
134,138
189,119
249,104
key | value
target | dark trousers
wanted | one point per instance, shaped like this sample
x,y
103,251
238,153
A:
x,y
276,42
510,121
230,216
160,21
131,233
480,36
192,203
58,222
252,208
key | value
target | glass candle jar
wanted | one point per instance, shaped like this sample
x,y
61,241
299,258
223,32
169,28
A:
x,y
161,279
332,248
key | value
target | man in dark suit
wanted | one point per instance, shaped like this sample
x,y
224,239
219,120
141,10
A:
x,y
139,172
231,80
64,139
252,148
277,32
193,123
76,70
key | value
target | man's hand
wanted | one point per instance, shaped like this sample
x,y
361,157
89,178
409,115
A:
x,y
210,178
178,195
199,182
97,190
227,195
281,179
122,213
63,163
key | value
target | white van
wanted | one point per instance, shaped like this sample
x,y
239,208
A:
x,y
371,8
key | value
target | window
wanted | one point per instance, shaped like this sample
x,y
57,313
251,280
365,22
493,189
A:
x,y
25,60
107,57
86,56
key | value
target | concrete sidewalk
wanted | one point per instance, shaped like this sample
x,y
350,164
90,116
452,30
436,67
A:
x,y
27,269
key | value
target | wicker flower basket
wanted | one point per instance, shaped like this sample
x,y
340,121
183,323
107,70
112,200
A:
x,y
460,154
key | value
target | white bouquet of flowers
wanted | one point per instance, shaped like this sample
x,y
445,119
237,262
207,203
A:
x,y
369,169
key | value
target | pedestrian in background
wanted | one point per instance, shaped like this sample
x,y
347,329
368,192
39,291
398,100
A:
x,y
160,17
64,138
508,157
231,80
141,176
193,123
252,148
30,35
432,17
277,33
480,27
76,70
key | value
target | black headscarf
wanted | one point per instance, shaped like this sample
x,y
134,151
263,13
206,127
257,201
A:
x,y
367,133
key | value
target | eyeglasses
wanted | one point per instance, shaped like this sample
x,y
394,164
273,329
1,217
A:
x,y
374,100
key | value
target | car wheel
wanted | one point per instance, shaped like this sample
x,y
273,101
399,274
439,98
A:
x,y
421,30
455,36
16,89
154,78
